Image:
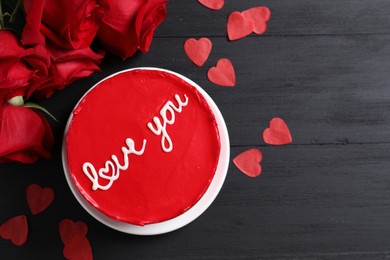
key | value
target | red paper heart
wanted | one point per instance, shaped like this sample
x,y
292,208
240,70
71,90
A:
x,y
248,162
259,17
69,229
38,199
212,4
223,74
238,26
78,248
277,133
15,229
198,50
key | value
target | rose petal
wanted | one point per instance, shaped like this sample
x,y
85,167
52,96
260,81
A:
x,y
212,4
70,24
238,26
149,17
223,74
78,249
10,46
259,17
248,162
131,25
25,135
66,67
31,34
69,229
198,50
15,229
38,199
277,133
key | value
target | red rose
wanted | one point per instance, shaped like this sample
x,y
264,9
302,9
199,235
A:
x,y
128,26
40,60
66,66
70,24
56,66
14,73
25,135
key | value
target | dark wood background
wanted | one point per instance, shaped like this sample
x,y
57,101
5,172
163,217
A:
x,y
323,66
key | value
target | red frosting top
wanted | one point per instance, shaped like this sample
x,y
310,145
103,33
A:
x,y
142,146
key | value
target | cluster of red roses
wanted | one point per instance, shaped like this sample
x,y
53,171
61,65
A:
x,y
54,50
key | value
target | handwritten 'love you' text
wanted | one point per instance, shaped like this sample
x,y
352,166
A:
x,y
161,128
104,177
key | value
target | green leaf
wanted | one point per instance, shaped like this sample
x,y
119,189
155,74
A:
x,y
36,106
1,16
13,15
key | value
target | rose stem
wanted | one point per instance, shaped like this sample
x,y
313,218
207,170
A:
x,y
1,16
13,15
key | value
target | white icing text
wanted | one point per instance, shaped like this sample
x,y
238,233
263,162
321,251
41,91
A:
x,y
112,168
161,128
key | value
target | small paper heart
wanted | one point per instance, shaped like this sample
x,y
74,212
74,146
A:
x,y
277,133
248,162
259,17
238,26
223,74
38,199
198,50
78,248
69,229
212,4
15,229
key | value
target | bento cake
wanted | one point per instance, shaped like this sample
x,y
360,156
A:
x,y
142,146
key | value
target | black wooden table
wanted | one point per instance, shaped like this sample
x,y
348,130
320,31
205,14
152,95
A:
x,y
324,67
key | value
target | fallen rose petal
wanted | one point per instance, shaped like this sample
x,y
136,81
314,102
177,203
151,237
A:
x,y
15,229
248,162
277,133
198,50
78,248
259,17
38,199
69,229
238,26
223,74
212,4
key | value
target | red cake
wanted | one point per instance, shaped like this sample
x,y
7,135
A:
x,y
142,146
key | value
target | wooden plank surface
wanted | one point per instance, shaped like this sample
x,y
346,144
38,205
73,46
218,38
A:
x,y
298,17
324,67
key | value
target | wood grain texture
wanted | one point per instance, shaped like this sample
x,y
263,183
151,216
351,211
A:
x,y
323,66
298,17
